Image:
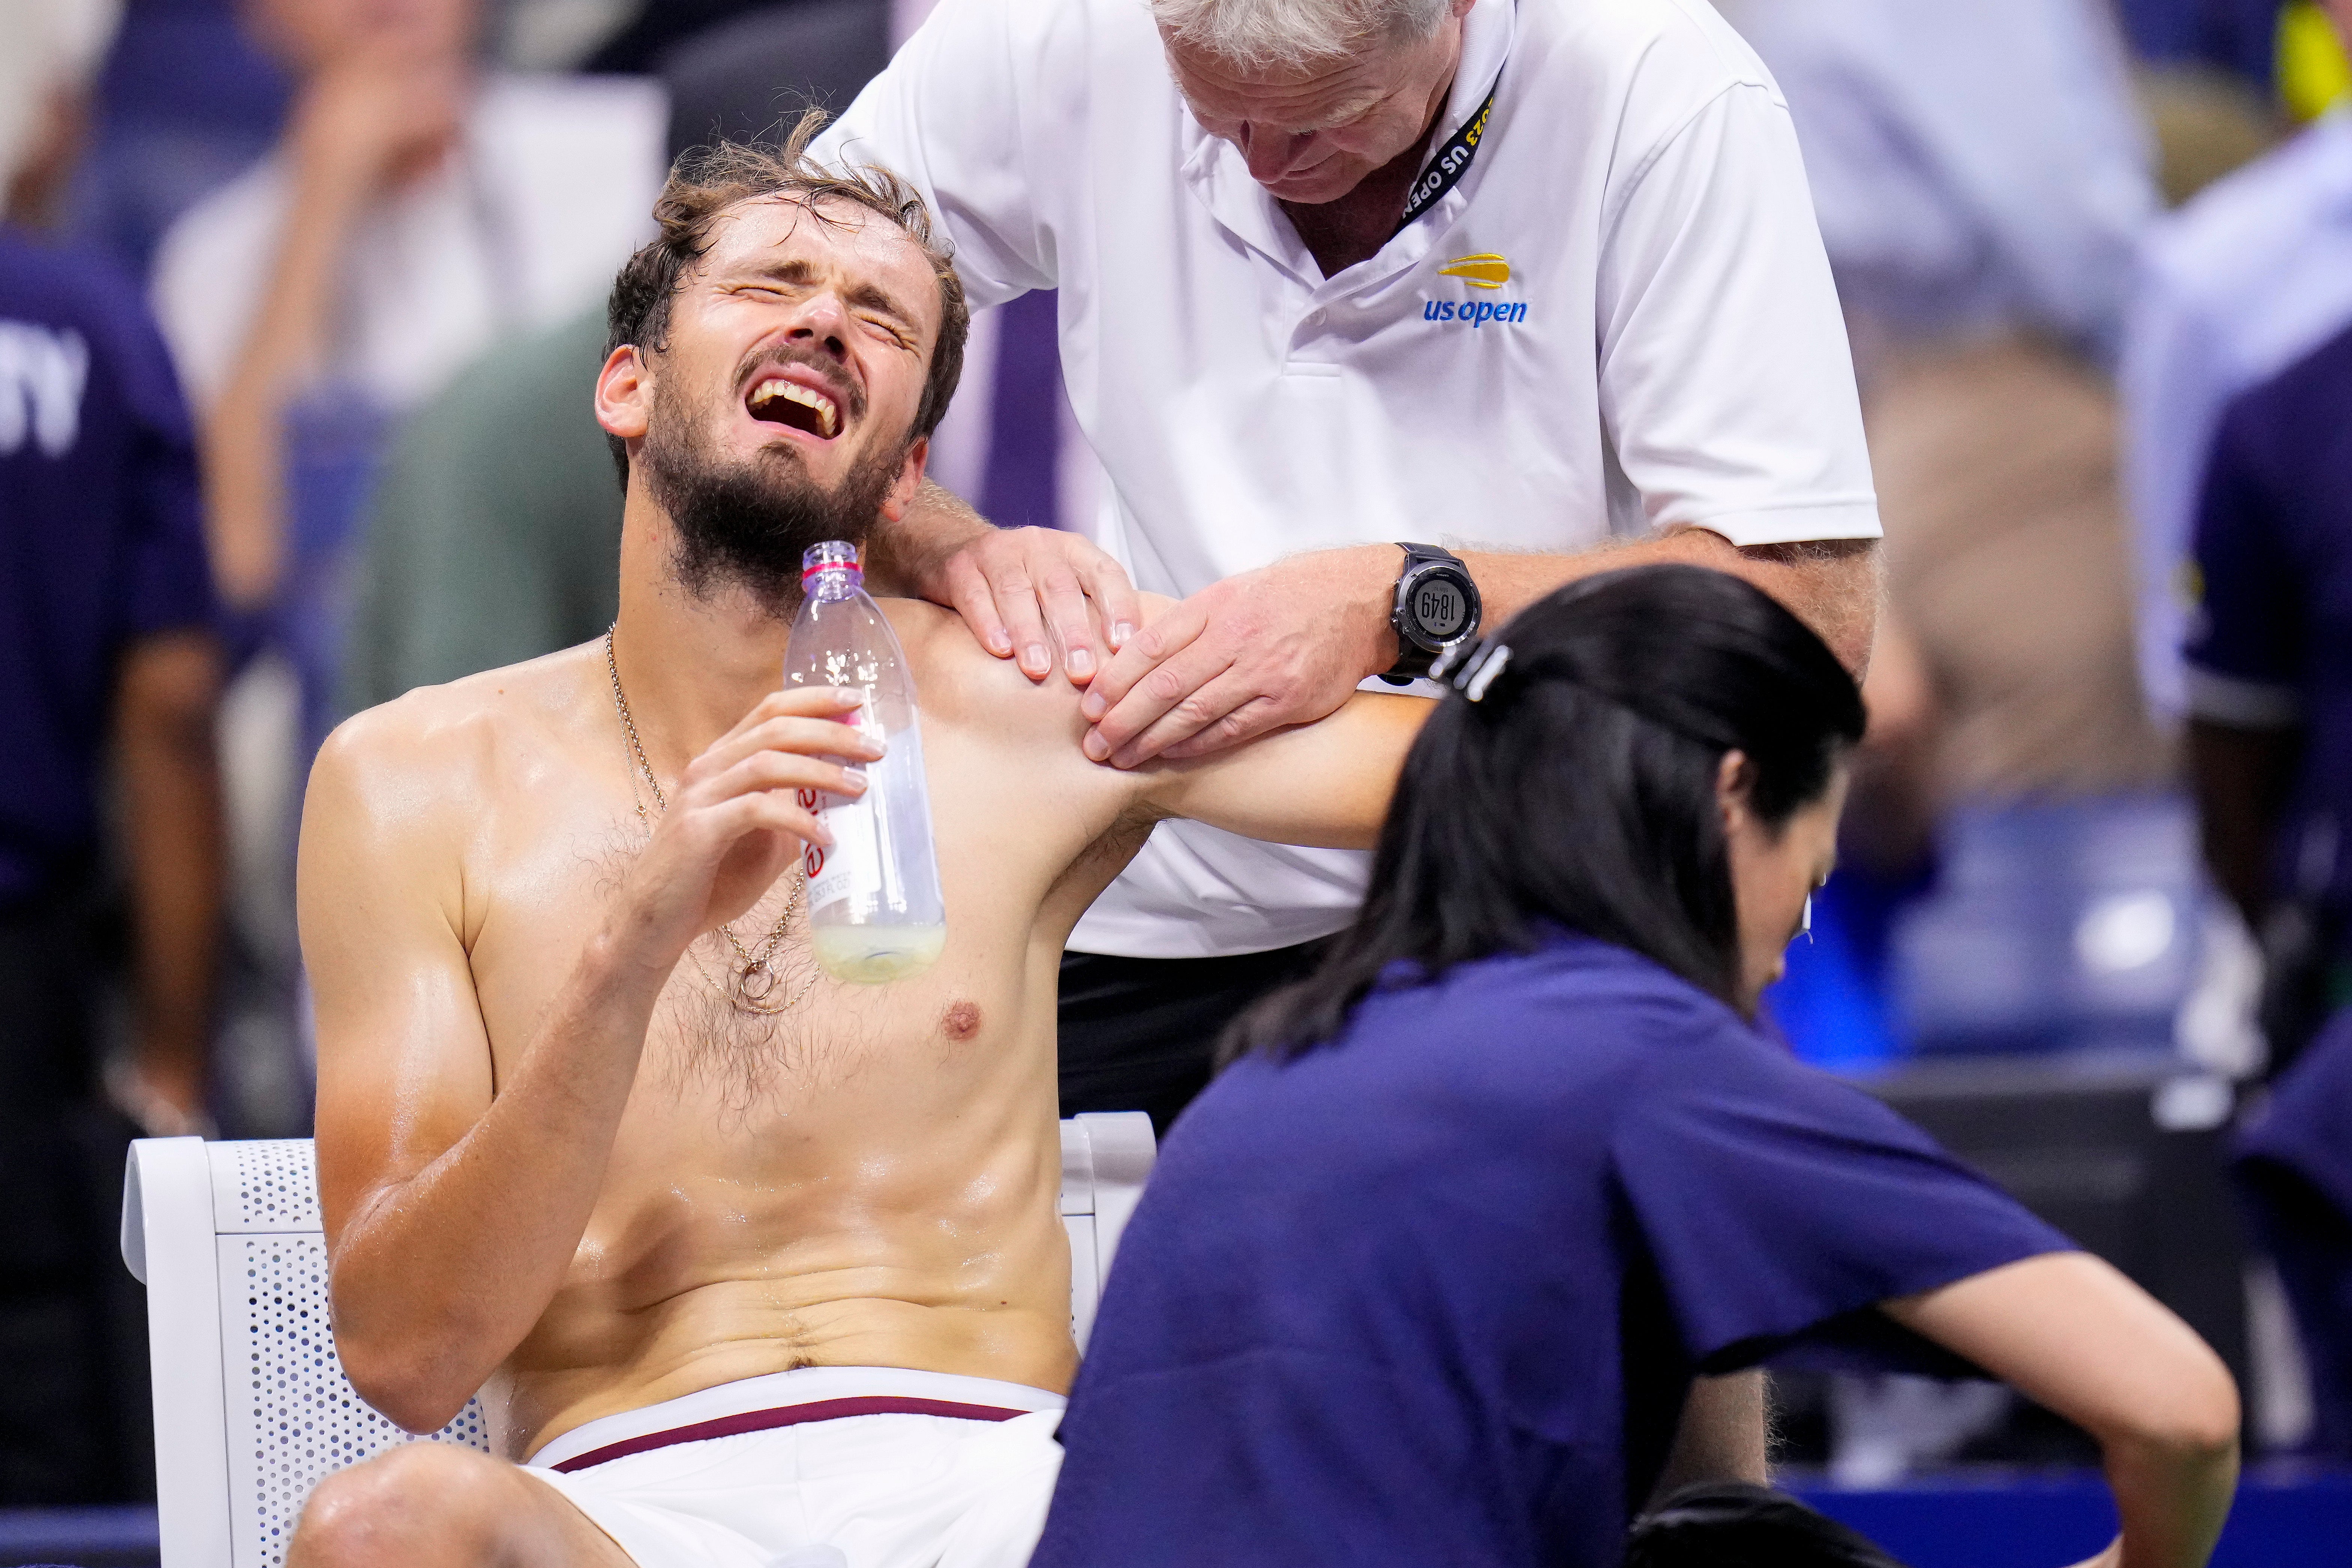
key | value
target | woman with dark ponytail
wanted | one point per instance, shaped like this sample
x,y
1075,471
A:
x,y
1430,1274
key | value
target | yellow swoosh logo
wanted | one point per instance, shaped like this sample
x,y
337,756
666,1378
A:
x,y
1485,270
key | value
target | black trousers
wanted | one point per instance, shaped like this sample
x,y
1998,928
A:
x,y
74,1423
1140,1034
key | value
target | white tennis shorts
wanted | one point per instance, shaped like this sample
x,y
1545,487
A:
x,y
826,1466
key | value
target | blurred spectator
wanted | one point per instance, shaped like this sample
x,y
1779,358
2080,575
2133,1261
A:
x,y
105,647
2269,683
417,209
2269,659
2244,280
2234,36
492,536
1977,168
184,104
413,213
1981,177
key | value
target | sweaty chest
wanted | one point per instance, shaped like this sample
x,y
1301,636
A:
x,y
748,1028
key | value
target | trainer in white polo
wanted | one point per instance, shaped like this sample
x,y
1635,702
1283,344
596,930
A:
x,y
1336,276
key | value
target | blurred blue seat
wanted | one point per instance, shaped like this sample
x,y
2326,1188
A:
x,y
2052,926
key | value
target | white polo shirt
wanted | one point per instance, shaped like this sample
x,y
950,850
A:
x,y
1620,318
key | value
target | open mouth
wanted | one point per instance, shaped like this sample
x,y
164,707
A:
x,y
804,408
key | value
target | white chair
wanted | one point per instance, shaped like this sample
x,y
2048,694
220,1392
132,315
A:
x,y
251,1405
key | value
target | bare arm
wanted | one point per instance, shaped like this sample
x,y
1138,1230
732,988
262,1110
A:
x,y
359,124
2241,777
1326,783
1832,584
437,1269
1285,643
169,779
2073,1335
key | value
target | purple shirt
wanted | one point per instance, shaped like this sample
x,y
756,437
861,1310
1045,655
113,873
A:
x,y
102,538
1432,1294
2271,641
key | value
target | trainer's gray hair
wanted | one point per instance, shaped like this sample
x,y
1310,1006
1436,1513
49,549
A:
x,y
1294,35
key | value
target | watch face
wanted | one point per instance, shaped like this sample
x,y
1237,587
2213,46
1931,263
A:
x,y
1440,607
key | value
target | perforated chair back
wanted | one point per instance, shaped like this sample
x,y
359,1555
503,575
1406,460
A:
x,y
252,1408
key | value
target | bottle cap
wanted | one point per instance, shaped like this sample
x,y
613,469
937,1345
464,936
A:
x,y
833,555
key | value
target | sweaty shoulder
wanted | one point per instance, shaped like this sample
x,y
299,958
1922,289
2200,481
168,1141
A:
x,y
959,681
417,777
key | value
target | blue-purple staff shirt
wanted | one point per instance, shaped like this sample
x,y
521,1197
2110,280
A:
x,y
102,540
1432,1295
2269,641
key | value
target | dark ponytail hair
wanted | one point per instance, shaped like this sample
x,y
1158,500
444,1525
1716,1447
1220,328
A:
x,y
1580,791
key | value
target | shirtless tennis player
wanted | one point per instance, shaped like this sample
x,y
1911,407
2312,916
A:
x,y
569,1154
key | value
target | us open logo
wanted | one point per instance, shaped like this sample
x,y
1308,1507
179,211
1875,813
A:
x,y
1485,270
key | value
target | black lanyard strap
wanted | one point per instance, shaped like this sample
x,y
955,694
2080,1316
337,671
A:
x,y
1448,163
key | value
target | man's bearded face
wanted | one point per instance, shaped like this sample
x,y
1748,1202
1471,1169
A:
x,y
746,521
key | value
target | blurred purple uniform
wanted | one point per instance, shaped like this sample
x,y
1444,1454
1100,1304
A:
x,y
101,539
2271,646
100,545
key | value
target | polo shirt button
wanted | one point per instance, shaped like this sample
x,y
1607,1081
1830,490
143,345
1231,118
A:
x,y
1314,317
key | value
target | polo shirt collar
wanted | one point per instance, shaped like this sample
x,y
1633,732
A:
x,y
1220,178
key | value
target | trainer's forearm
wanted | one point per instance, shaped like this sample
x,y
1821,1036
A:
x,y
438,1277
903,554
1833,585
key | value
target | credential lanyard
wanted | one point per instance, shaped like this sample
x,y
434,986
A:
x,y
1448,163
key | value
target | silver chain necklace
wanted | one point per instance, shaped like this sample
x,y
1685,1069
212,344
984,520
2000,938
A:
x,y
755,977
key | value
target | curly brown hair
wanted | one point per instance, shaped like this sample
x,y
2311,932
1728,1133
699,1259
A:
x,y
707,181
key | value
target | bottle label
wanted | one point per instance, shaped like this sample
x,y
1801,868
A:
x,y
852,867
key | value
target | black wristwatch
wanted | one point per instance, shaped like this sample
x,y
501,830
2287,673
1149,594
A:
x,y
1437,605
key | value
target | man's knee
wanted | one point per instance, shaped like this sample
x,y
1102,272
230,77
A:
x,y
418,1502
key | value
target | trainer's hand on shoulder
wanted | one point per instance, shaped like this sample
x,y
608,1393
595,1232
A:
x,y
739,814
1283,644
1022,591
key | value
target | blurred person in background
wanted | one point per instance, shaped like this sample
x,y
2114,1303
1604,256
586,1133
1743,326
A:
x,y
184,104
108,682
2245,280
2268,666
415,211
1981,175
418,208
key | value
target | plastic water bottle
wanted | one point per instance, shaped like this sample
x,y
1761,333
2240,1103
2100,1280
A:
x,y
875,912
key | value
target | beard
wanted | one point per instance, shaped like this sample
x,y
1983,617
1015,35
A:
x,y
745,525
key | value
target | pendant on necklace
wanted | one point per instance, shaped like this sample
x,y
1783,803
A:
x,y
754,982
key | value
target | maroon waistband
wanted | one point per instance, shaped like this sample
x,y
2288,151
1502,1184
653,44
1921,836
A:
x,y
788,1415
